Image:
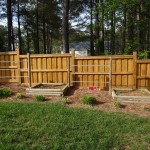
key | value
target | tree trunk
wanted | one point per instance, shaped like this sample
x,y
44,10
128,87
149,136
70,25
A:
x,y
130,28
9,22
148,38
102,29
28,41
91,29
65,26
112,46
97,29
19,30
124,30
48,39
148,34
51,42
143,28
34,41
44,36
37,28
12,38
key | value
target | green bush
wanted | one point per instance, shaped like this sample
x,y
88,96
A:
x,y
117,104
39,98
89,100
64,100
146,108
144,54
19,95
4,92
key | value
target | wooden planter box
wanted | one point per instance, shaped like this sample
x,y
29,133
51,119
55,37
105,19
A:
x,y
47,89
117,94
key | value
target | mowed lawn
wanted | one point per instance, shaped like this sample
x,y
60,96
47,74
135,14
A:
x,y
51,126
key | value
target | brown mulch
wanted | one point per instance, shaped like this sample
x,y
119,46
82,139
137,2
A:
x,y
74,95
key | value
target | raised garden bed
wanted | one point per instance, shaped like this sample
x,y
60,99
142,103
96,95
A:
x,y
130,95
47,89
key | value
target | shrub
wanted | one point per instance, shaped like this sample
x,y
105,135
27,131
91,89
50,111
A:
x,y
19,95
39,98
64,100
117,104
144,54
4,92
88,100
146,108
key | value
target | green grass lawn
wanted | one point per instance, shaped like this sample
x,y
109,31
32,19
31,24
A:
x,y
39,126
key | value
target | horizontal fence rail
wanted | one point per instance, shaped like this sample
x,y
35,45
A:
x,y
31,69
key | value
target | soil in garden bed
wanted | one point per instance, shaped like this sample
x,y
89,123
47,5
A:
x,y
134,93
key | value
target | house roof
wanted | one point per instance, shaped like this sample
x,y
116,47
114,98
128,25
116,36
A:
x,y
80,46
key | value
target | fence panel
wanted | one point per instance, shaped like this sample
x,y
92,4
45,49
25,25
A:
x,y
48,68
8,67
92,71
122,71
143,73
96,70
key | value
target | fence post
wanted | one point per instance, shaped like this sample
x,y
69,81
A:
x,y
73,66
29,69
18,65
110,76
68,68
135,69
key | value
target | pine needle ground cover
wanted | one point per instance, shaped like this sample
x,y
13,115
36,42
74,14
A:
x,y
52,126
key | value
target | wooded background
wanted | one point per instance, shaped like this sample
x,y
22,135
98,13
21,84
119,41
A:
x,y
40,26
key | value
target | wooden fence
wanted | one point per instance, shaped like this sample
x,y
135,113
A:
x,y
143,73
122,71
8,66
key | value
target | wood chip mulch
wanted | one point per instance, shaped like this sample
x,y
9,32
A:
x,y
74,95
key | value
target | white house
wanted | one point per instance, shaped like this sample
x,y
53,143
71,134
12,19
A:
x,y
83,48
80,48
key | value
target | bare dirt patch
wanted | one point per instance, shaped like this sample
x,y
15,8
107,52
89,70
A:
x,y
74,95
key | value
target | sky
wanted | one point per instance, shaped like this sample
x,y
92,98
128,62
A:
x,y
3,22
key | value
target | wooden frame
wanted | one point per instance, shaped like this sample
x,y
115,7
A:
x,y
139,99
40,91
